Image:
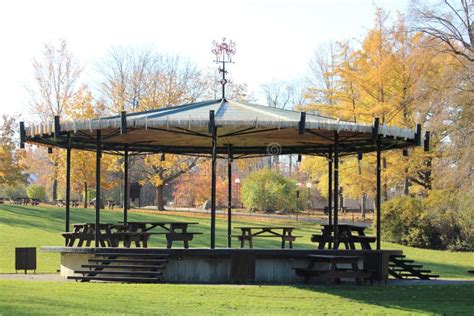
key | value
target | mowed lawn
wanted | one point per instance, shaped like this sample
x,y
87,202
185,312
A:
x,y
41,226
27,226
71,298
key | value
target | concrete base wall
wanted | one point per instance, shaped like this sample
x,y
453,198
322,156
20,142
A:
x,y
73,261
216,266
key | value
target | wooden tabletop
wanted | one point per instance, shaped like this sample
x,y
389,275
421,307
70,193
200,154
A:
x,y
93,224
265,227
344,225
158,223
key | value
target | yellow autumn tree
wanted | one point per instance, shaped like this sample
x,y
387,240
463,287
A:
x,y
11,166
83,163
386,78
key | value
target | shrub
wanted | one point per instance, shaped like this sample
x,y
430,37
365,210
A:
x,y
268,190
442,220
16,191
36,191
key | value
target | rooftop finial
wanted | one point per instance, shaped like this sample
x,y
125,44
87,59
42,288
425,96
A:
x,y
224,52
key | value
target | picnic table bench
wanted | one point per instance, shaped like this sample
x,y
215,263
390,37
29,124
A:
x,y
110,235
334,272
248,233
174,231
349,235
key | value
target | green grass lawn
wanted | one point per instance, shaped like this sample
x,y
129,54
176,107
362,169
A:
x,y
22,226
40,226
70,298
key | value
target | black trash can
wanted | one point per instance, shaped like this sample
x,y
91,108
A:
x,y
25,259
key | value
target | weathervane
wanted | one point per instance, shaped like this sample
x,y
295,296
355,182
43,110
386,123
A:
x,y
224,52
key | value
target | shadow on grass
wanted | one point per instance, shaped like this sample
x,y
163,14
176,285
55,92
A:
x,y
436,299
448,270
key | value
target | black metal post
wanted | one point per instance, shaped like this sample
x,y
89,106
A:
x,y
213,131
68,181
229,197
330,186
378,200
97,188
125,185
336,188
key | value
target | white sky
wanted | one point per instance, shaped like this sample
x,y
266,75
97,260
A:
x,y
275,39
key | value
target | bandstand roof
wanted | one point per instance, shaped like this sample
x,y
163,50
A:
x,y
251,129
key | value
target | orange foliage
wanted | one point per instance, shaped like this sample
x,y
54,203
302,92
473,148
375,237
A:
x,y
194,188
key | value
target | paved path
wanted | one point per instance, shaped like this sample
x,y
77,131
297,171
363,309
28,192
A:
x,y
33,277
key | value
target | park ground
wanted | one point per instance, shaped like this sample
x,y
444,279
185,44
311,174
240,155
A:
x,y
40,226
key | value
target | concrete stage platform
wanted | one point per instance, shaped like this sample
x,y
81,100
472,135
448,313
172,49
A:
x,y
229,266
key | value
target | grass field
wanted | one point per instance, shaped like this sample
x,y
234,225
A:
x,y
22,226
69,298
40,226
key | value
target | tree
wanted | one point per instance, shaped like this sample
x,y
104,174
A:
x,y
450,22
36,191
136,80
398,76
11,166
160,170
194,187
82,106
268,190
55,77
322,77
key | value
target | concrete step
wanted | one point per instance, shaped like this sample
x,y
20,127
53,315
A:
x,y
138,261
114,279
114,266
121,273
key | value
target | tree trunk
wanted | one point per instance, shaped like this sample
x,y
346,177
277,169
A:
x,y
160,201
55,189
364,205
406,186
85,194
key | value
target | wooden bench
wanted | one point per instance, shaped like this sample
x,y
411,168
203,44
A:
x,y
185,237
88,238
334,273
364,241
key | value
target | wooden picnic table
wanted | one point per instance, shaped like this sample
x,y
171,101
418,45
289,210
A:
x,y
110,235
174,231
250,232
333,272
348,234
